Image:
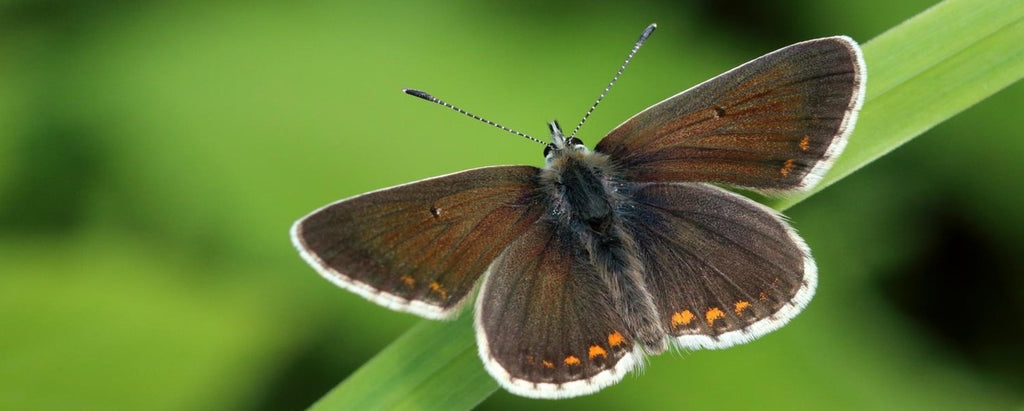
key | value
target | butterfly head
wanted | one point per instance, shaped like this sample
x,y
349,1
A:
x,y
560,145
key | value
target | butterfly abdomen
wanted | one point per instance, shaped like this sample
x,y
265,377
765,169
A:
x,y
587,202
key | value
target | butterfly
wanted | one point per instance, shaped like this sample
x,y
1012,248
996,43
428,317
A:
x,y
604,256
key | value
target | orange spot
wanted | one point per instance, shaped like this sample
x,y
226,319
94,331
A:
x,y
548,364
615,339
713,314
805,144
682,318
763,296
741,305
572,360
775,281
436,287
596,350
409,281
786,168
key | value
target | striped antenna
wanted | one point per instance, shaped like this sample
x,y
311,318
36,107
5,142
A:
x,y
636,47
433,99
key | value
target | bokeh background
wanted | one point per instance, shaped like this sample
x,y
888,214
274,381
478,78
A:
x,y
153,155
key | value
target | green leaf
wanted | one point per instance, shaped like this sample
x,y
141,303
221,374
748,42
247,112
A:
x,y
921,72
406,374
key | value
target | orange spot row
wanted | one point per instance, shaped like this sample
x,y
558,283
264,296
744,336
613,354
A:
x,y
409,281
787,168
594,351
763,296
615,339
436,287
682,318
713,314
805,144
741,305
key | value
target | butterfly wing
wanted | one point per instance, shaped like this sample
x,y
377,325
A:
x,y
545,323
774,124
420,247
722,269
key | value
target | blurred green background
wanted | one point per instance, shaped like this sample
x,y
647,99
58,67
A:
x,y
153,155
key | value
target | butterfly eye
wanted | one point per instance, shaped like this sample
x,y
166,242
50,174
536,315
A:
x,y
574,142
548,148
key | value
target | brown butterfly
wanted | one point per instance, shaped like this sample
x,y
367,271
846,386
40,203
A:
x,y
606,255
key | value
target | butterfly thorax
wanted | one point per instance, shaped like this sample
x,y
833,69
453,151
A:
x,y
588,202
582,185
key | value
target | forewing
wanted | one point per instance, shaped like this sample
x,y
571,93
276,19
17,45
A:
x,y
722,269
545,324
774,124
420,247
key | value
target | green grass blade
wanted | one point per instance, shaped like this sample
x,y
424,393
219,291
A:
x,y
920,73
432,365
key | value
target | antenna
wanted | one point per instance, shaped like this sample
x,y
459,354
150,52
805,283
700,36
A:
x,y
433,99
643,37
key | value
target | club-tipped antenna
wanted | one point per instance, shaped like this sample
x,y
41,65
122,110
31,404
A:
x,y
636,47
433,99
